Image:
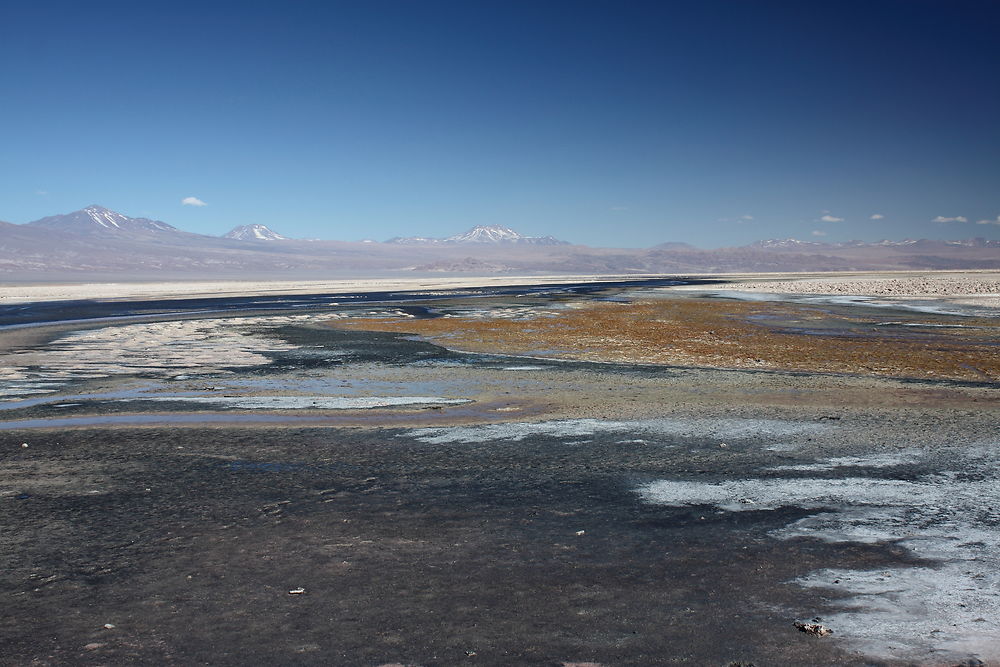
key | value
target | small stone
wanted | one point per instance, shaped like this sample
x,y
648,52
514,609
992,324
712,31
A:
x,y
109,626
581,532
814,629
297,591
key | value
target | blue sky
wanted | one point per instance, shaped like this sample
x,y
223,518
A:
x,y
606,123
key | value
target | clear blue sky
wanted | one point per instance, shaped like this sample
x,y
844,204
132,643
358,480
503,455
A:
x,y
606,123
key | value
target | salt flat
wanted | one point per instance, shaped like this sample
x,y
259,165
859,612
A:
x,y
962,287
35,292
983,285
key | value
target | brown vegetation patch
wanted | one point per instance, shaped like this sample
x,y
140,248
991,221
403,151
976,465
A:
x,y
726,334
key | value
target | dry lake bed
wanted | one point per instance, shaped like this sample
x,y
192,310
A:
x,y
661,471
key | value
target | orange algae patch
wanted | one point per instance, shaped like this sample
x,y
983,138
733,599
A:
x,y
724,334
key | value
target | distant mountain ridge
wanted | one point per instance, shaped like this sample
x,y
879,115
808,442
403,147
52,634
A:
x,y
253,233
795,244
96,243
495,234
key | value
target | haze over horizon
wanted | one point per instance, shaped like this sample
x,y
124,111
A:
x,y
716,124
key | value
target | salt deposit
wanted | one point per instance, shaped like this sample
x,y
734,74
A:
x,y
311,402
948,611
159,349
965,288
732,429
27,293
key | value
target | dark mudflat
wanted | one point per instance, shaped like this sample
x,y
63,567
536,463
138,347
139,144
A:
x,y
189,542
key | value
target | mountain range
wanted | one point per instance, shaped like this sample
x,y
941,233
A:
x,y
98,243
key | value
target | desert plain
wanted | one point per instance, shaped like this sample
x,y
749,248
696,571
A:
x,y
709,470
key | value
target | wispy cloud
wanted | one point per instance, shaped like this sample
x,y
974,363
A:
x,y
746,217
876,216
41,193
830,218
957,218
819,232
989,222
619,208
193,201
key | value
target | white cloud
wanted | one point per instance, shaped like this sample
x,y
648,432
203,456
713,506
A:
x,y
831,218
193,201
989,222
41,193
957,218
877,216
746,217
819,232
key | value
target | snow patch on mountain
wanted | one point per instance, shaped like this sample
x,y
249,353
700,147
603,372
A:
x,y
104,217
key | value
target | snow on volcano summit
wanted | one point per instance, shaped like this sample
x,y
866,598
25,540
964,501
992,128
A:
x,y
494,234
500,234
253,233
487,234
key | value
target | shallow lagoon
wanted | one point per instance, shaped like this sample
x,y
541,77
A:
x,y
568,511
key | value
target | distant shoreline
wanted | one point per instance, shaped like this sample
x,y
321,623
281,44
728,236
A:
x,y
977,288
26,292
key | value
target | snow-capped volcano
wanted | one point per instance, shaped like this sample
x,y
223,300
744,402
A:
x,y
253,233
487,234
500,234
495,234
99,219
412,240
773,244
